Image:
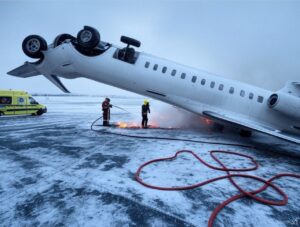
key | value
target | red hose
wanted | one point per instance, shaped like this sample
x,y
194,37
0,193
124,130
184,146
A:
x,y
243,193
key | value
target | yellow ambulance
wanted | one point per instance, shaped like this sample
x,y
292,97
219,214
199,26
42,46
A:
x,y
19,103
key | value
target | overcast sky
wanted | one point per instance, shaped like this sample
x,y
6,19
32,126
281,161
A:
x,y
252,41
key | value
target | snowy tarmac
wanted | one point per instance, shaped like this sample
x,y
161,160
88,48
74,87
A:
x,y
55,171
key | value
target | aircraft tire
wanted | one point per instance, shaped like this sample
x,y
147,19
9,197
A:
x,y
88,37
33,46
61,38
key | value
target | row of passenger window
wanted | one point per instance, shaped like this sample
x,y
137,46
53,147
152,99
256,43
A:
x,y
173,72
260,99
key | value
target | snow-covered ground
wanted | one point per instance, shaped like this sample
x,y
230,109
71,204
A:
x,y
55,171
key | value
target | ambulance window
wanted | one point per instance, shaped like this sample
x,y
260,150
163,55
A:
x,y
183,75
251,95
203,81
155,67
147,64
242,93
221,87
212,84
32,101
164,69
194,78
260,99
173,72
5,100
231,90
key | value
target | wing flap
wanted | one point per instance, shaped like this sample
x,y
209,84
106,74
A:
x,y
25,70
245,123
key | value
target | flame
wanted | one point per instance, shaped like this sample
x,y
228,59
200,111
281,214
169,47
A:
x,y
206,121
134,125
128,125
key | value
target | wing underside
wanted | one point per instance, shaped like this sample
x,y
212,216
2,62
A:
x,y
29,69
246,123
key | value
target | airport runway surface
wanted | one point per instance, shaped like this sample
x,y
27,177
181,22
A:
x,y
55,171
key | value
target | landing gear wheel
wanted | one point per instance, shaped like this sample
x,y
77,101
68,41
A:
x,y
245,133
61,38
39,112
88,37
33,46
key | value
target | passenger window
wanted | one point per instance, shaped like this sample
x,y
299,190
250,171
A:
x,y
242,93
203,81
212,84
147,64
173,72
221,87
194,78
231,90
5,100
251,95
183,75
164,69
260,99
155,67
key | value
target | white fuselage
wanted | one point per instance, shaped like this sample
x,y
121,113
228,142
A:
x,y
65,61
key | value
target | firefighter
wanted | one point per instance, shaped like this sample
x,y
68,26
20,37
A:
x,y
106,111
145,111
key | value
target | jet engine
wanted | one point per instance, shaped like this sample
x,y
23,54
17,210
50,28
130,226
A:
x,y
286,104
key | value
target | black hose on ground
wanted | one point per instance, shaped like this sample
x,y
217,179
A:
x,y
167,138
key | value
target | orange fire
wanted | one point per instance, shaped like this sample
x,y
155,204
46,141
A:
x,y
128,125
206,121
134,125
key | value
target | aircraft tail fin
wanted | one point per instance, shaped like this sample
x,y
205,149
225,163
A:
x,y
292,88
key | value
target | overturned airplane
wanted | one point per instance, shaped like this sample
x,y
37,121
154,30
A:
x,y
223,100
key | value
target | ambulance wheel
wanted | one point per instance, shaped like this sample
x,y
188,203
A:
x,y
61,38
39,112
88,37
245,133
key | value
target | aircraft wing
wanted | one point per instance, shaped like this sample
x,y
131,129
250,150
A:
x,y
29,70
25,70
249,124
